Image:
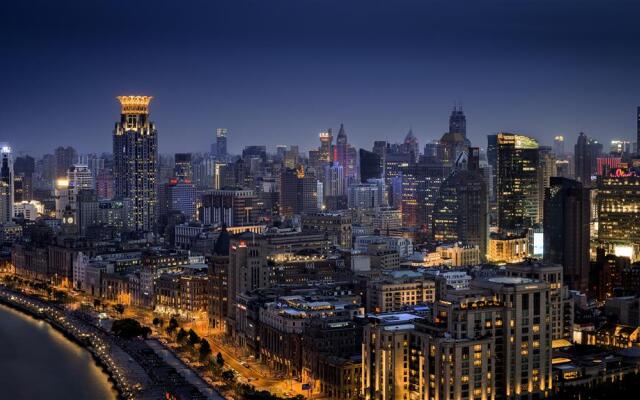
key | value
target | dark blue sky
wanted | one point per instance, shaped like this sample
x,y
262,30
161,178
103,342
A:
x,y
278,72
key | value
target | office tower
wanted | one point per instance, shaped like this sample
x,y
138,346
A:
x,y
341,147
411,146
517,182
182,169
566,230
326,146
451,146
254,151
298,191
62,197
333,180
86,209
6,184
546,170
366,195
221,143
230,207
420,185
458,122
104,184
558,146
370,165
621,147
461,208
492,159
595,151
24,168
582,154
291,157
80,177
179,196
65,157
618,205
135,153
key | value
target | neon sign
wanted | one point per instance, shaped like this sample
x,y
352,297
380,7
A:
x,y
622,173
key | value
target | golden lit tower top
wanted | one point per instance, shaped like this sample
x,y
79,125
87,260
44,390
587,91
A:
x,y
134,104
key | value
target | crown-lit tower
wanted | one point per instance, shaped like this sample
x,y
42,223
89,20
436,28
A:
x,y
135,154
326,146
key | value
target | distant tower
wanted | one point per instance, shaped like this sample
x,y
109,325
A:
x,y
411,145
326,146
582,155
135,157
221,142
182,169
457,121
341,147
65,157
638,132
558,146
6,184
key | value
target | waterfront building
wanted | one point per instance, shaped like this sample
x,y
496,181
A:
x,y
6,184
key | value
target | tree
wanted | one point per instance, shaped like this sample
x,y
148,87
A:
x,y
182,336
205,349
228,376
145,331
173,325
219,360
119,308
193,338
127,328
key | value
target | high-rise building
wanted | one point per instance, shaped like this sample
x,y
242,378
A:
x,y
104,184
6,184
65,157
24,168
461,210
621,147
458,122
411,146
618,208
370,165
420,186
231,207
558,146
182,169
326,146
492,160
582,154
517,182
179,196
221,142
546,170
333,180
298,191
135,153
340,155
566,230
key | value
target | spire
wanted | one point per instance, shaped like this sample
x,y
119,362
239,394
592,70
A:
x,y
341,132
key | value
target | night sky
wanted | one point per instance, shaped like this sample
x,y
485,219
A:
x,y
278,72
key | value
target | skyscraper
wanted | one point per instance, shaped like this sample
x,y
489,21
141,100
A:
x,y
221,142
582,154
492,160
65,157
370,165
326,146
517,182
135,154
458,122
6,184
558,146
341,147
566,230
638,132
461,208
182,169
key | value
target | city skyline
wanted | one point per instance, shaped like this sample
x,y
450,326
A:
x,y
289,72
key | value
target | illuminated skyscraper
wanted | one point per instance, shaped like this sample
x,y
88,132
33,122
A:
x,y
558,146
517,182
618,202
326,146
135,157
6,184
582,154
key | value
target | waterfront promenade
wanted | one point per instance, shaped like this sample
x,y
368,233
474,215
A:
x,y
136,369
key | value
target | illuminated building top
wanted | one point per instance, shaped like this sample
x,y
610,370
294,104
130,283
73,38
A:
x,y
559,138
134,104
519,141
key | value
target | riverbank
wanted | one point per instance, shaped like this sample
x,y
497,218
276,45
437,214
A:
x,y
95,347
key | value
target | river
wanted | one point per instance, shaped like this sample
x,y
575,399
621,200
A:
x,y
38,362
